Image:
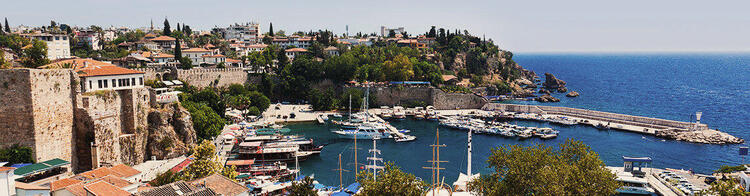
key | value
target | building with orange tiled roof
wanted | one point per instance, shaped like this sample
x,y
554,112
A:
x,y
120,176
331,51
164,42
97,75
7,181
63,183
126,172
293,52
30,189
102,188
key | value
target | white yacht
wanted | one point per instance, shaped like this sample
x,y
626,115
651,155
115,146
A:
x,y
365,131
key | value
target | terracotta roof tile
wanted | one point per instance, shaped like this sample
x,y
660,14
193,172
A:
x,y
163,38
195,50
61,184
228,60
98,173
124,170
213,56
296,50
221,185
2,169
114,180
90,67
76,189
104,188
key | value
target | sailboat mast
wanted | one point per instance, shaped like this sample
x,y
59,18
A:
x,y
356,163
350,107
374,159
341,181
468,161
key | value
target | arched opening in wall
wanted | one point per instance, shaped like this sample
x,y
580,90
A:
x,y
158,76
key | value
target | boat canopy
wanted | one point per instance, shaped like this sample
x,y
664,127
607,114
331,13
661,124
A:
x,y
352,188
241,162
636,159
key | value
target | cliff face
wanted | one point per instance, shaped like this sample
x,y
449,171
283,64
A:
x,y
170,132
552,83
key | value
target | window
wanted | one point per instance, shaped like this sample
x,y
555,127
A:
x,y
114,83
140,80
90,85
57,38
100,83
105,84
120,83
132,81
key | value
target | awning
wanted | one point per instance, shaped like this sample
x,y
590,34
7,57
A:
x,y
240,162
636,159
40,167
352,188
250,144
176,82
168,83
241,176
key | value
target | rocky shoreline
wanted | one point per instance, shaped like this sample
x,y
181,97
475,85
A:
x,y
703,136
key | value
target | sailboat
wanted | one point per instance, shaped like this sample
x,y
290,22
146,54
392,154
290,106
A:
x,y
366,129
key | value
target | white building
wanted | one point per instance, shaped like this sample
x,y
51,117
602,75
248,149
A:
x,y
293,41
58,45
96,75
293,52
88,37
384,31
24,189
331,51
7,183
247,33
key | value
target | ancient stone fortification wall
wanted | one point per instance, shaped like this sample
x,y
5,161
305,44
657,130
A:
x,y
200,77
431,96
37,111
444,101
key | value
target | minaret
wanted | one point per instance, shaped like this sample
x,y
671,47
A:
x,y
152,24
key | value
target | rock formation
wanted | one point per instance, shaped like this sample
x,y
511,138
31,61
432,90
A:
x,y
572,94
171,132
544,91
703,136
552,83
546,98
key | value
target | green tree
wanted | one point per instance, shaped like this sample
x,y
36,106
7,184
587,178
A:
x,y
36,55
177,49
166,30
7,27
206,163
270,29
572,169
726,187
164,178
391,33
303,188
206,122
357,98
16,154
398,69
391,181
186,63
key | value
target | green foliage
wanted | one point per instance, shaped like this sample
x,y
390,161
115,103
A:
x,y
186,63
323,101
730,169
36,55
476,79
16,154
303,188
164,178
206,122
572,169
166,30
455,89
502,88
154,84
398,69
357,98
724,188
206,163
391,181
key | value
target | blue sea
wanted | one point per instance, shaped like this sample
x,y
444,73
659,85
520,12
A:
x,y
669,86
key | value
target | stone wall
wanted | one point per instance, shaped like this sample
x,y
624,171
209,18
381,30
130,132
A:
x,y
444,101
200,77
37,111
392,96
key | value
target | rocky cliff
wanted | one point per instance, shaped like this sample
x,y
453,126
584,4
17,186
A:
x,y
170,131
702,136
552,83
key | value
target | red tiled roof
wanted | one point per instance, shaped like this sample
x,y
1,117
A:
x,y
98,173
61,184
76,189
330,48
257,46
104,188
213,56
221,185
181,165
116,181
228,60
90,67
296,50
241,162
163,38
2,169
124,170
196,50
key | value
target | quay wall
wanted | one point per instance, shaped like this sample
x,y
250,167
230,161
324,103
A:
x,y
37,111
199,77
596,115
392,96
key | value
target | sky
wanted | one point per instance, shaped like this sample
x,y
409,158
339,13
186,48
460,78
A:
x,y
530,26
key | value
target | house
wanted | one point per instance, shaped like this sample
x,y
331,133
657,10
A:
x,y
132,60
331,51
413,43
234,63
88,37
196,54
293,41
212,59
7,182
222,185
164,42
384,31
24,189
159,57
244,50
293,52
149,45
102,188
58,45
96,75
119,179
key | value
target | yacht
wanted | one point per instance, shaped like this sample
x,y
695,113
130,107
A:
x,y
365,131
399,113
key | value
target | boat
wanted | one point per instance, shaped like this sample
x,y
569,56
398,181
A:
x,y
524,134
365,131
386,115
399,113
337,115
632,177
406,138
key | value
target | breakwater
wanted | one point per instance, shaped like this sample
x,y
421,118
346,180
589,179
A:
x,y
670,129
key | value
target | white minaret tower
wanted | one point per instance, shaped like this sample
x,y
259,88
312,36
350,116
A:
x,y
468,162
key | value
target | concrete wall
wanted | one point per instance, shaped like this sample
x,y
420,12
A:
x,y
37,111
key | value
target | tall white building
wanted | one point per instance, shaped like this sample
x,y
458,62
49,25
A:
x,y
384,31
89,37
248,33
58,45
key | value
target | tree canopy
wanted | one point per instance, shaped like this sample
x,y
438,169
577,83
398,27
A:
x,y
391,181
571,169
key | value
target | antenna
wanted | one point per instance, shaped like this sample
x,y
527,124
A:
x,y
435,167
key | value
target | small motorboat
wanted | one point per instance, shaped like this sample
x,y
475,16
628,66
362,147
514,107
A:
x,y
406,138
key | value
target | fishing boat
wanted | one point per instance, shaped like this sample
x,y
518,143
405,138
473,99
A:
x,y
399,113
386,115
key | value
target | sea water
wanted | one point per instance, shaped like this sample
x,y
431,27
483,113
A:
x,y
669,86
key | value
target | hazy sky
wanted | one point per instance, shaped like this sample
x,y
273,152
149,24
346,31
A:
x,y
519,25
